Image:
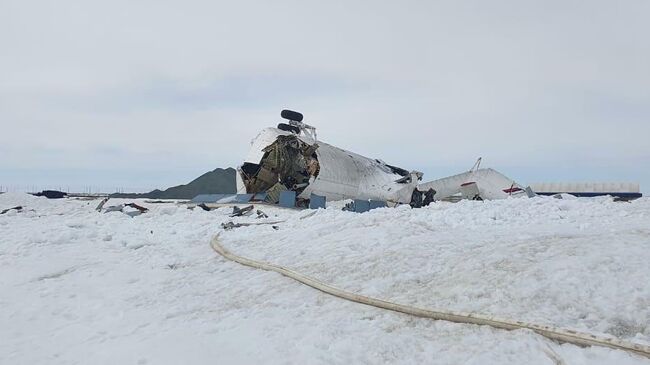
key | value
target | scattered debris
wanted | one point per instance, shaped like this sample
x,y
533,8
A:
x,y
429,197
238,212
230,225
140,208
310,214
120,208
349,207
261,214
17,208
101,204
223,198
416,199
421,199
204,207
302,203
176,266
529,192
114,208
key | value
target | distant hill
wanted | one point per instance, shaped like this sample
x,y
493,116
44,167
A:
x,y
219,181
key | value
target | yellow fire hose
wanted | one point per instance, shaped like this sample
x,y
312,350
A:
x,y
553,333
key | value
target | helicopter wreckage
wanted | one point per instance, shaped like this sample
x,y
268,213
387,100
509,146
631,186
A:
x,y
291,158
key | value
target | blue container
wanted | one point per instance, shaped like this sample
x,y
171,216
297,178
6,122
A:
x,y
288,199
377,204
316,201
361,206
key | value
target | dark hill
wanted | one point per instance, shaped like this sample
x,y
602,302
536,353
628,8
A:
x,y
219,181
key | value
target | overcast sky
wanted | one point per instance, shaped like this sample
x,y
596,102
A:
x,y
146,94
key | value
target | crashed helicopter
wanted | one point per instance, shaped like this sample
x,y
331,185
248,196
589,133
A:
x,y
290,157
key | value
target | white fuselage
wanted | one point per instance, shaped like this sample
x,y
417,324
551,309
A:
x,y
343,174
347,175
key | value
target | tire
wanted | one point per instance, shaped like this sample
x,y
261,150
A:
x,y
291,115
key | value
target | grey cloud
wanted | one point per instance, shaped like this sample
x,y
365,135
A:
x,y
561,85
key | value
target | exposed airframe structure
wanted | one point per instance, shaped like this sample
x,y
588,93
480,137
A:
x,y
290,157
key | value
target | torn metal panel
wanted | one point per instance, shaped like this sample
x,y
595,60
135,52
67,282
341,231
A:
x,y
101,204
273,194
288,161
238,212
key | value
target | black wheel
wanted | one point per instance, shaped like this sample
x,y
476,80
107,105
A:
x,y
291,115
288,128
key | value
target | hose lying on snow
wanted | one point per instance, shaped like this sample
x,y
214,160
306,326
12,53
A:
x,y
554,333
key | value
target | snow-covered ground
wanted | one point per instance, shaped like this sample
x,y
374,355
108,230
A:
x,y
78,286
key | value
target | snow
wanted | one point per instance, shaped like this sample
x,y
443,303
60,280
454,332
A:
x,y
78,286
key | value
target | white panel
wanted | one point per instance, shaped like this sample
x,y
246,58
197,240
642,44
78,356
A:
x,y
491,184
